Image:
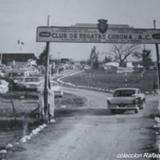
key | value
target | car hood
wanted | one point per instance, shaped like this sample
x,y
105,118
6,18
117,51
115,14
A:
x,y
30,83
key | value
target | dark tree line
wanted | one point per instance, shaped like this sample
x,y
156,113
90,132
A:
x,y
93,59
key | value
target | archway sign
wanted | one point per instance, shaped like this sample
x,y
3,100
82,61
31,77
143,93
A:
x,y
74,34
101,33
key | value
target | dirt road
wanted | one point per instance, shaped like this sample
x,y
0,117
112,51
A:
x,y
92,133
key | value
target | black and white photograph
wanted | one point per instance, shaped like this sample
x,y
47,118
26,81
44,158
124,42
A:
x,y
79,80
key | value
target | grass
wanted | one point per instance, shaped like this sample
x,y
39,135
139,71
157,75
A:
x,y
112,80
25,103
70,101
12,129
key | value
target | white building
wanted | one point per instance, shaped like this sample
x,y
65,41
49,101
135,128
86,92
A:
x,y
129,65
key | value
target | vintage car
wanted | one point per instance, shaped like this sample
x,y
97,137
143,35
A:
x,y
57,89
14,74
29,83
126,99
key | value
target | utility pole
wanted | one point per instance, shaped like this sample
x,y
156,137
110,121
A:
x,y
1,58
46,82
157,55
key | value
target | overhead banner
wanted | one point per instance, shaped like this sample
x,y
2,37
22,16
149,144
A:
x,y
92,35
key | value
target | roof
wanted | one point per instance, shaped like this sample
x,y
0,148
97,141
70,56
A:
x,y
94,25
115,64
28,53
18,57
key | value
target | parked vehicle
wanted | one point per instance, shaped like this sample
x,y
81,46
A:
x,y
29,83
17,73
126,99
57,89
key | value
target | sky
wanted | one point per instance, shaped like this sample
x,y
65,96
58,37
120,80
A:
x,y
20,18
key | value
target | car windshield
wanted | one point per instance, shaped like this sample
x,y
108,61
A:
x,y
124,93
31,79
16,74
18,79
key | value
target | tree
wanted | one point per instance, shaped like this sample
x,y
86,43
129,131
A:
x,y
122,52
93,59
42,57
145,57
107,59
